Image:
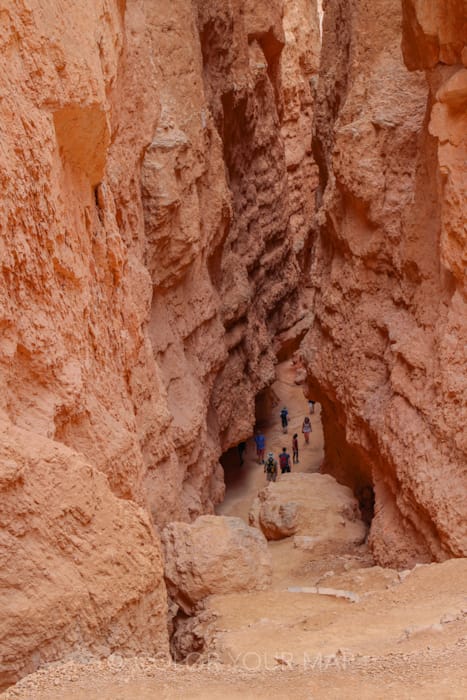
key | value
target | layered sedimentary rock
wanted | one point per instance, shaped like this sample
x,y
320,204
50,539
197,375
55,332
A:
x,y
386,355
148,170
80,570
146,256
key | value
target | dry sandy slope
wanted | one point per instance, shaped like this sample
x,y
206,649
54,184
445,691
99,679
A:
x,y
406,638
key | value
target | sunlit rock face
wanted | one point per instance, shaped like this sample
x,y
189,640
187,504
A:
x,y
82,571
386,354
152,231
153,162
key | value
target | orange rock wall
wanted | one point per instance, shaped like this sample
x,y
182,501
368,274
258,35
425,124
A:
x,y
150,245
386,354
146,255
81,570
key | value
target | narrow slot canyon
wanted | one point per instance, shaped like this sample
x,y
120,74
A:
x,y
244,482
212,210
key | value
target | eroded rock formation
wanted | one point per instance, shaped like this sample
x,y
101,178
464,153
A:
x,y
386,355
150,224
157,193
136,299
80,568
323,514
211,556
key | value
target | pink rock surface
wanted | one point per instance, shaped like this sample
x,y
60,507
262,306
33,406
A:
x,y
386,355
146,204
214,555
147,260
147,257
323,514
81,570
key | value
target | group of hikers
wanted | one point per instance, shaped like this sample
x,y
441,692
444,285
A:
x,y
270,463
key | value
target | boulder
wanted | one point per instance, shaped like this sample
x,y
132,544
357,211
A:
x,y
80,569
313,507
214,554
277,519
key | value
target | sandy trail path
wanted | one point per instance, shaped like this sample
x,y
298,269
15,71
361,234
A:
x,y
291,567
243,483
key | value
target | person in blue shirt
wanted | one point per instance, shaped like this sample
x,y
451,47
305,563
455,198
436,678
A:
x,y
260,442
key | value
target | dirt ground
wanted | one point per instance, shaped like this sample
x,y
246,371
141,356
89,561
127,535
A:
x,y
398,635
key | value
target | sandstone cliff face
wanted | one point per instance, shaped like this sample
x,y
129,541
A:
x,y
146,261
217,204
150,163
386,354
80,569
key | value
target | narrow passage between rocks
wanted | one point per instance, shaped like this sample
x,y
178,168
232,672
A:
x,y
331,625
243,483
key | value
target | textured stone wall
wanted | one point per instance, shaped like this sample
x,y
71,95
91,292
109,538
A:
x,y
81,570
150,174
386,354
152,163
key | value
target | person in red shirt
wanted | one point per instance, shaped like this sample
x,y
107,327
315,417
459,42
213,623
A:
x,y
284,461
295,448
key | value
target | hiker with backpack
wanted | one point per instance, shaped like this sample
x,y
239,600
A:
x,y
284,462
270,467
284,419
295,448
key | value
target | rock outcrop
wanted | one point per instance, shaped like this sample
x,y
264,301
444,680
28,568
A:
x,y
81,570
150,168
155,239
213,555
386,355
150,174
316,509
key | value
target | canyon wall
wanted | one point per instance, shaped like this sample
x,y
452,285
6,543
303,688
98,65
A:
x,y
153,158
387,352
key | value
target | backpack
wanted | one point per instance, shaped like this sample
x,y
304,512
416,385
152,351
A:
x,y
284,460
270,466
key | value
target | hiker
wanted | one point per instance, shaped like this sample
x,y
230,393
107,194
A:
x,y
284,419
260,442
311,406
270,467
295,448
241,448
284,462
306,429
